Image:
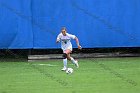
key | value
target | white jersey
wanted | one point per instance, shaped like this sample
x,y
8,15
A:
x,y
65,41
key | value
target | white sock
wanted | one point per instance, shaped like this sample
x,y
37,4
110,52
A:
x,y
65,62
72,59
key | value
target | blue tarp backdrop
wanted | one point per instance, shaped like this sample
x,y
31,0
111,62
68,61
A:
x,y
97,23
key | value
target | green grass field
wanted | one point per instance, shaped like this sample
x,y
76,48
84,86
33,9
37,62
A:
x,y
100,75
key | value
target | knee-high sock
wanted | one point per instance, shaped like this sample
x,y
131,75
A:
x,y
65,62
72,59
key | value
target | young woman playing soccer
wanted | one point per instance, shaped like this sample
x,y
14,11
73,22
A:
x,y
66,46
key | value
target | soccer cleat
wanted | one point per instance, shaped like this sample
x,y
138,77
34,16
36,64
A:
x,y
64,69
76,64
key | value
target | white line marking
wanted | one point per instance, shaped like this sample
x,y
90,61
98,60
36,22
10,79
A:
x,y
45,65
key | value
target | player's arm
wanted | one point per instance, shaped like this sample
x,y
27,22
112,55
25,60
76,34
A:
x,y
77,42
58,39
76,39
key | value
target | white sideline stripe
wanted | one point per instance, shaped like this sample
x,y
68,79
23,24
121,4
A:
x,y
45,65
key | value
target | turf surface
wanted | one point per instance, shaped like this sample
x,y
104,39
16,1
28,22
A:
x,y
100,75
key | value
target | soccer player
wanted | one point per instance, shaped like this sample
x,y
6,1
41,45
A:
x,y
66,46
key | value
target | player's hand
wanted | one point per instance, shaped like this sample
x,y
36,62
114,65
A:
x,y
79,47
57,41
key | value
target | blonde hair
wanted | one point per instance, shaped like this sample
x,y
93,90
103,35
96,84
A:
x,y
64,28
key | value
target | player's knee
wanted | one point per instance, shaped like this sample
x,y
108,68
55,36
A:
x,y
68,58
64,55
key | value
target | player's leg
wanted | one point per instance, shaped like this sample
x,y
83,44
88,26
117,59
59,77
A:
x,y
74,61
65,64
68,51
64,61
71,58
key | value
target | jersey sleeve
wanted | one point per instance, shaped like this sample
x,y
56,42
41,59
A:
x,y
58,37
72,36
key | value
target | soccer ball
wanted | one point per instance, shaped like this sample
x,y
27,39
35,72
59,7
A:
x,y
69,70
